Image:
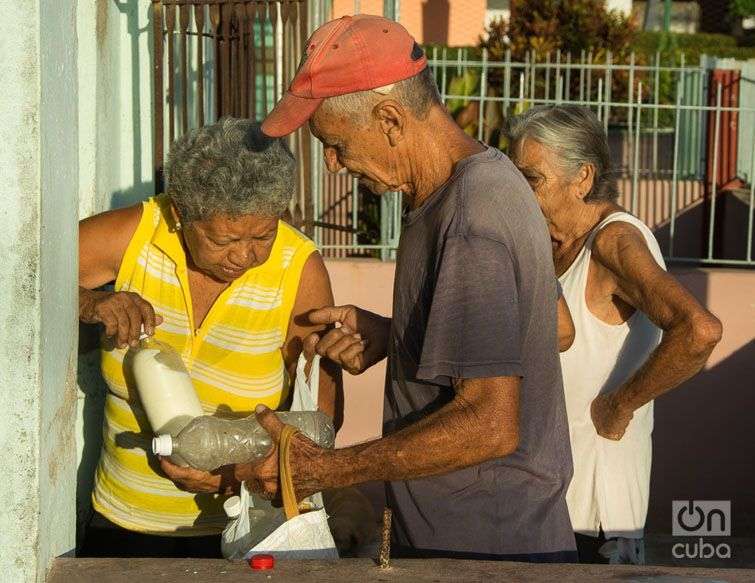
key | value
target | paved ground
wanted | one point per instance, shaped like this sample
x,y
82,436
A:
x,y
365,571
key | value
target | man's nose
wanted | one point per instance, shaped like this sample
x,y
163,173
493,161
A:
x,y
331,160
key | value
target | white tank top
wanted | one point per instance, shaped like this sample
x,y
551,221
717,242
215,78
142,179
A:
x,y
611,478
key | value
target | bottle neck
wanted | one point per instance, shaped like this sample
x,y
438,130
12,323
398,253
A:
x,y
162,445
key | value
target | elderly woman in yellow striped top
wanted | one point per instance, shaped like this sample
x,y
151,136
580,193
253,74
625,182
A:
x,y
210,269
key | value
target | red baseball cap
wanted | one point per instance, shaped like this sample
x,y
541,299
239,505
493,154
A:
x,y
350,54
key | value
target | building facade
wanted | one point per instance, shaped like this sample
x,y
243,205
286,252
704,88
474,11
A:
x,y
451,23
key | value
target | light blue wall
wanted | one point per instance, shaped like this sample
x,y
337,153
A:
x,y
39,173
115,111
115,170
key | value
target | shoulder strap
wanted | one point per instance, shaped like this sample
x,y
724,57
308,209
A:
x,y
621,216
613,217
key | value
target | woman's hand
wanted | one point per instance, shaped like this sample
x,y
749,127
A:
x,y
360,341
122,313
609,417
192,480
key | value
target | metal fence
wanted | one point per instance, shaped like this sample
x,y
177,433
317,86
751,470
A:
x,y
229,57
681,138
681,135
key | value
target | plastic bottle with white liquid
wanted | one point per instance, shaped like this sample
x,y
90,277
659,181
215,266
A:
x,y
165,387
207,443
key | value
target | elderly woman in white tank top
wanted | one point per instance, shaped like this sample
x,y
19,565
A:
x,y
639,333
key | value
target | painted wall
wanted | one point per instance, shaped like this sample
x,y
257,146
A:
x,y
39,173
368,284
115,121
703,446
446,22
115,132
99,109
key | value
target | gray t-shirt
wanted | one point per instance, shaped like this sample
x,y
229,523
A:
x,y
475,297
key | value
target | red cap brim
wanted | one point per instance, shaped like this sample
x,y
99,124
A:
x,y
289,114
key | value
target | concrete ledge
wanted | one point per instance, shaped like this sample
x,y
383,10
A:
x,y
365,571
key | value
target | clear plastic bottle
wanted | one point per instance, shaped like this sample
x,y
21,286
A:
x,y
165,387
264,519
207,443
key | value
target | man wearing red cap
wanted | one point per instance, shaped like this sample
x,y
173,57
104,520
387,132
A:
x,y
476,454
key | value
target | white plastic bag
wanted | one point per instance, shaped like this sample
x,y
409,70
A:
x,y
306,390
306,536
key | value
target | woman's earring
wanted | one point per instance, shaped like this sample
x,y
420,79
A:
x,y
177,226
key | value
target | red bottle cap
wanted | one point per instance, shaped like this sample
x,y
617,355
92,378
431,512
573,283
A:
x,y
262,562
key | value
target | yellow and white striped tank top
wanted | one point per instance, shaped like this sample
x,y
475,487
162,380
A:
x,y
234,359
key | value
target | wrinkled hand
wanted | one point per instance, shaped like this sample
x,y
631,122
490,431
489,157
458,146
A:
x,y
262,477
359,340
122,313
198,481
610,419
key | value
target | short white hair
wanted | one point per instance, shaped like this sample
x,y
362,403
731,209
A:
x,y
418,94
577,137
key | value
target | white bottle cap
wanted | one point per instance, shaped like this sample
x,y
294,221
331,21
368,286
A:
x,y
232,507
162,445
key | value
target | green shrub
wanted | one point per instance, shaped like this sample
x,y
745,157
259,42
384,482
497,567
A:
x,y
672,45
541,27
544,26
743,7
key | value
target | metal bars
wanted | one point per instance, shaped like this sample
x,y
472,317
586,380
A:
x,y
214,58
241,52
669,124
665,142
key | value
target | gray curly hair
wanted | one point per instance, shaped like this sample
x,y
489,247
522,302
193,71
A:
x,y
229,168
578,138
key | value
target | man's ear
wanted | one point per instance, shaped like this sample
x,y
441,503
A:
x,y
391,117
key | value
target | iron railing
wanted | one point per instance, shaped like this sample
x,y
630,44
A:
x,y
214,58
681,137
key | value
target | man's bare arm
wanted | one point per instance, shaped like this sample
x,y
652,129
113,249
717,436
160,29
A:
x,y
479,424
690,331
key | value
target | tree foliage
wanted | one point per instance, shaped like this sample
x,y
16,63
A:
x,y
744,8
543,26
